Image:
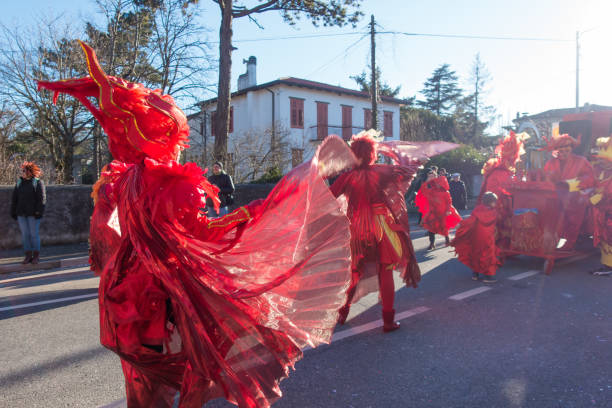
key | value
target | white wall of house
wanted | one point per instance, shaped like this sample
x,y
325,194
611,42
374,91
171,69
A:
x,y
253,113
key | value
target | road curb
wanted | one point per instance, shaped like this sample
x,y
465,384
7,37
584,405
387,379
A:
x,y
60,263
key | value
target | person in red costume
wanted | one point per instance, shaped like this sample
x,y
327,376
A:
x,y
601,198
210,308
497,173
435,204
380,231
379,236
572,173
474,240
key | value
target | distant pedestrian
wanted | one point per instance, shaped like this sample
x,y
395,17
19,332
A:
x,y
226,190
27,207
474,240
458,192
442,173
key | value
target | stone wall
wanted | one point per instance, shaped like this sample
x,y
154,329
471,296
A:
x,y
69,208
66,218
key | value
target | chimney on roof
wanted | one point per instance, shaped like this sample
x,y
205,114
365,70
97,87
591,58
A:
x,y
248,79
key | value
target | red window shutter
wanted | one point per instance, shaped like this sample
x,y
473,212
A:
x,y
347,122
300,113
367,119
321,120
213,123
388,125
297,113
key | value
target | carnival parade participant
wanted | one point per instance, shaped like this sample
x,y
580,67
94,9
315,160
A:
x,y
474,240
572,173
380,231
498,172
379,236
601,199
435,204
210,308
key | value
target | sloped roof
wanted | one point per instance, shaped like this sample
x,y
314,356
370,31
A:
x,y
558,113
305,83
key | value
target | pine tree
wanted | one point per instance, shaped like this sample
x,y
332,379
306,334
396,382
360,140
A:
x,y
441,91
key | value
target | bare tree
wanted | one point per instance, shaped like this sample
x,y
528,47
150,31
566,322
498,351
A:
x,y
328,13
478,81
45,51
253,154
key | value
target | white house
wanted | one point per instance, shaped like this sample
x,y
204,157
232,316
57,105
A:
x,y
306,111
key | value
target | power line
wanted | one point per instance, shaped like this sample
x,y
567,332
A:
x,y
474,37
343,53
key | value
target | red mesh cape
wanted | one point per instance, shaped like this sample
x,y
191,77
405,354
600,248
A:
x,y
602,195
474,241
435,204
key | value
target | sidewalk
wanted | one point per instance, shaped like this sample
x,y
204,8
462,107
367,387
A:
x,y
51,257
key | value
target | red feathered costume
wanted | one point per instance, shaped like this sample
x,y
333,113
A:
x,y
498,172
435,204
577,172
213,308
474,241
380,231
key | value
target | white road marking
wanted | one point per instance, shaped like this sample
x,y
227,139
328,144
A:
x,y
353,331
46,302
523,275
471,292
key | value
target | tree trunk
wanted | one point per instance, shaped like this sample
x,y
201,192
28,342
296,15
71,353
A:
x,y
225,73
67,169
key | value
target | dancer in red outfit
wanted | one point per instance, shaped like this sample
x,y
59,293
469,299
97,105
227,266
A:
x,y
380,233
213,308
474,240
435,204
498,172
601,199
573,173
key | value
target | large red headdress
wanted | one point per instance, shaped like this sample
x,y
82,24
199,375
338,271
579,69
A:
x,y
507,153
363,146
556,142
139,122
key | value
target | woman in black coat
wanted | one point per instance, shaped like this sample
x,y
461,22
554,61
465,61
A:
x,y
27,207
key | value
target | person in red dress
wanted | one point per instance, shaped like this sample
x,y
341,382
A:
x,y
497,173
380,234
210,308
474,240
572,173
435,204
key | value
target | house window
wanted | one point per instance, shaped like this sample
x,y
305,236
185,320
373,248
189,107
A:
x,y
297,157
388,124
297,113
347,122
367,119
213,122
322,120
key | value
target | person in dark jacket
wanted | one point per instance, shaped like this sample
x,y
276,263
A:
x,y
27,207
458,192
226,190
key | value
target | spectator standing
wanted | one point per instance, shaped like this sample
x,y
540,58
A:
x,y
458,192
27,207
226,190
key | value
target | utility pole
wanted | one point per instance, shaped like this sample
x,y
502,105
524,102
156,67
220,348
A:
x,y
374,83
577,71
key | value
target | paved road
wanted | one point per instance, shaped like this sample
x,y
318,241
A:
x,y
529,340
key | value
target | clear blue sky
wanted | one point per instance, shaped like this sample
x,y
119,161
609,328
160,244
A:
x,y
527,76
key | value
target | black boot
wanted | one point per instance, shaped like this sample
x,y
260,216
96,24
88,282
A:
x,y
35,259
28,258
389,323
447,240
